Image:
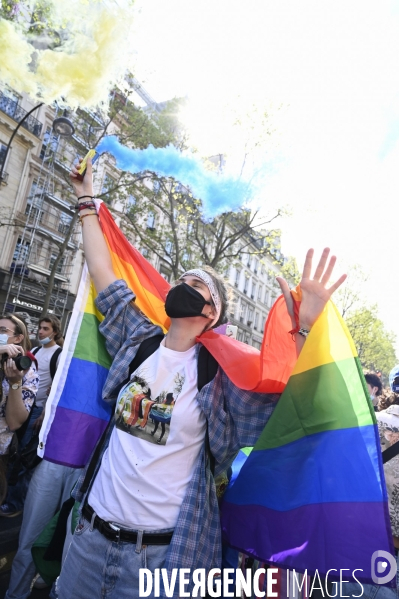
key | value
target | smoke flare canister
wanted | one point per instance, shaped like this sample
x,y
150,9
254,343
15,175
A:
x,y
83,165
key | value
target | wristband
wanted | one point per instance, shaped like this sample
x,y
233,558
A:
x,y
84,205
303,332
81,197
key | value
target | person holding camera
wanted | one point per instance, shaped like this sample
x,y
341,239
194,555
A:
x,y
19,381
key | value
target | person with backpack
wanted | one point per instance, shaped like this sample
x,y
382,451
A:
x,y
154,505
48,356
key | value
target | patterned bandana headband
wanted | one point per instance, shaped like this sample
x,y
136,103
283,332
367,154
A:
x,y
207,279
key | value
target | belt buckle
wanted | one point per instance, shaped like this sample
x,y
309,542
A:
x,y
117,530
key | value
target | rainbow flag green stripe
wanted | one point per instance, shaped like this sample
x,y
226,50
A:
x,y
90,345
324,398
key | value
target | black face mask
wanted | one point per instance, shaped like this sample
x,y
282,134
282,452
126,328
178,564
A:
x,y
183,301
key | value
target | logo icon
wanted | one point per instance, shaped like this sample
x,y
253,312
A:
x,y
383,563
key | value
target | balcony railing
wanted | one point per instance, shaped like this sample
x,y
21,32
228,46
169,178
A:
x,y
14,110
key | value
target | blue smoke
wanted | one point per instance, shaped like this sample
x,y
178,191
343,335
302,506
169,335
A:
x,y
218,193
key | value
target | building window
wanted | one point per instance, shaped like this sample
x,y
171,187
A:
x,y
34,203
246,283
256,321
3,149
253,292
168,247
166,275
243,309
237,279
151,221
263,324
260,293
145,252
130,201
65,221
61,263
33,212
21,250
108,184
49,145
256,265
250,317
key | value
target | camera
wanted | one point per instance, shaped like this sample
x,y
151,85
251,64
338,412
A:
x,y
21,362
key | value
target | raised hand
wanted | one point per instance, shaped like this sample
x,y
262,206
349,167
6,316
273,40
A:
x,y
315,293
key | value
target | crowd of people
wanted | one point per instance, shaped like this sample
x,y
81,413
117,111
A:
x,y
145,501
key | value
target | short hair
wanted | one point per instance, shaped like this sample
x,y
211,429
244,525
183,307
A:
x,y
20,329
374,380
55,325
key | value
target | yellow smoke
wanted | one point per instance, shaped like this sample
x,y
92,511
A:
x,y
15,56
94,54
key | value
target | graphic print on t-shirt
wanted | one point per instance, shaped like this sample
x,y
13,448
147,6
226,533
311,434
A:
x,y
141,415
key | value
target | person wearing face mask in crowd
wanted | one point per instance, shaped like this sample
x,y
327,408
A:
x,y
374,385
18,388
47,355
153,504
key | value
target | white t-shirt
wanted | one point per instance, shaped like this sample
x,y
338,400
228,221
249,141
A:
x,y
43,357
159,433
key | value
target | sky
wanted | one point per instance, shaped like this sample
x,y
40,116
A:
x,y
328,75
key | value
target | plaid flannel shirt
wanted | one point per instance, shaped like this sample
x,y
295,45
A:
x,y
235,419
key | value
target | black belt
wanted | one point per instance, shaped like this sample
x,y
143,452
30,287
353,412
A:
x,y
113,533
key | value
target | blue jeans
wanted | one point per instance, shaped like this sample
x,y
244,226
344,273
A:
x,y
96,567
50,486
371,591
16,494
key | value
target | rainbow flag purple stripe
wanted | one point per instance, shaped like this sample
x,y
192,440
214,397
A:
x,y
311,495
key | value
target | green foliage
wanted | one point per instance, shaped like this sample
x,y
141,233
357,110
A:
x,y
9,9
375,345
289,270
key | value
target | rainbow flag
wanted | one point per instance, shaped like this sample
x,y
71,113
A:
x,y
311,494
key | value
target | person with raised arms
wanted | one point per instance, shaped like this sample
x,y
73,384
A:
x,y
152,504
